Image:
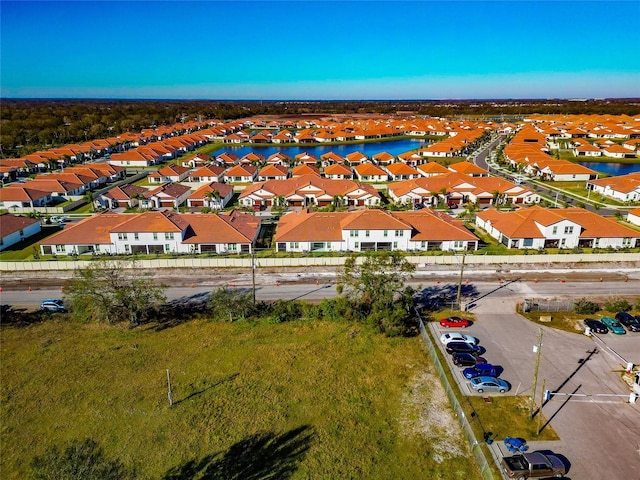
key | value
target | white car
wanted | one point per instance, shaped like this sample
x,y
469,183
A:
x,y
458,337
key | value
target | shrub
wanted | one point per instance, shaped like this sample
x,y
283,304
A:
x,y
585,306
617,304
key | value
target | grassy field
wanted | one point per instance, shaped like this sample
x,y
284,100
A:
x,y
301,400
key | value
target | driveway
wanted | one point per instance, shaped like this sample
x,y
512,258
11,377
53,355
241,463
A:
x,y
599,429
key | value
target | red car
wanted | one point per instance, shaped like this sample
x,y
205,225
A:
x,y
455,322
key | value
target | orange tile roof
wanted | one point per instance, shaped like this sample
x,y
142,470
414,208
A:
x,y
369,169
337,169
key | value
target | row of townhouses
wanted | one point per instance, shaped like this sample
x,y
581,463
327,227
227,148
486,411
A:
x,y
358,231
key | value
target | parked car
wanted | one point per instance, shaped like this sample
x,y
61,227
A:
x,y
613,325
489,384
462,347
467,360
454,322
481,370
533,465
53,305
458,337
595,325
628,321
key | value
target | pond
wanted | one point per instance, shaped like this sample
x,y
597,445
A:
x,y
394,147
614,169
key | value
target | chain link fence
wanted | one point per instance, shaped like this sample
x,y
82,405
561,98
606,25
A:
x,y
476,449
547,305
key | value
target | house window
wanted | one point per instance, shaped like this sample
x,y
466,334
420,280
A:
x,y
294,245
168,235
385,233
555,230
127,248
136,236
626,241
167,248
353,233
527,242
232,247
122,236
356,245
568,229
423,244
458,244
59,248
399,233
366,233
155,235
395,245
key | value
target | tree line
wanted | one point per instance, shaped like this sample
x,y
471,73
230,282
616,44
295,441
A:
x,y
29,125
371,290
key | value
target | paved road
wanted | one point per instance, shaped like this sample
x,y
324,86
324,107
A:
x,y
269,288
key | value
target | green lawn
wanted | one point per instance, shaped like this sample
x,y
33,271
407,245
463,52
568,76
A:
x,y
323,400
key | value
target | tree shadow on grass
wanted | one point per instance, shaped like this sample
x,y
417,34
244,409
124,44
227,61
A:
x,y
260,456
21,317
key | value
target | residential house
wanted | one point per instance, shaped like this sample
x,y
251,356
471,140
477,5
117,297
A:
x,y
22,195
170,173
197,160
338,171
206,174
279,158
617,151
330,158
469,168
367,230
306,158
155,232
537,228
625,188
383,158
304,169
368,172
431,169
169,195
14,229
309,190
227,159
127,196
356,158
401,171
273,172
241,174
634,216
213,195
458,189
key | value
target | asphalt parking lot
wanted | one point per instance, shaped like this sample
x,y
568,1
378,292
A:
x,y
599,429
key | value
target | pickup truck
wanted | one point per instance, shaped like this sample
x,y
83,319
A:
x,y
533,465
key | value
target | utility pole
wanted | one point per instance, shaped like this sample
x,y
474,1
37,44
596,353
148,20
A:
x,y
460,280
537,349
253,273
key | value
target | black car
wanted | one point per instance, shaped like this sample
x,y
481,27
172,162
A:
x,y
462,347
467,360
596,325
628,321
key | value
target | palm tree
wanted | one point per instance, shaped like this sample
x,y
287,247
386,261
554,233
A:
x,y
88,197
212,195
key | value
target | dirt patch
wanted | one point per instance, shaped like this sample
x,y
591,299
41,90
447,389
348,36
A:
x,y
426,412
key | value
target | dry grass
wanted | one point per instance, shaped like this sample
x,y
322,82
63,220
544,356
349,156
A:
x,y
350,403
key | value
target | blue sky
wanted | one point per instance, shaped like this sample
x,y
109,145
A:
x,y
320,50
